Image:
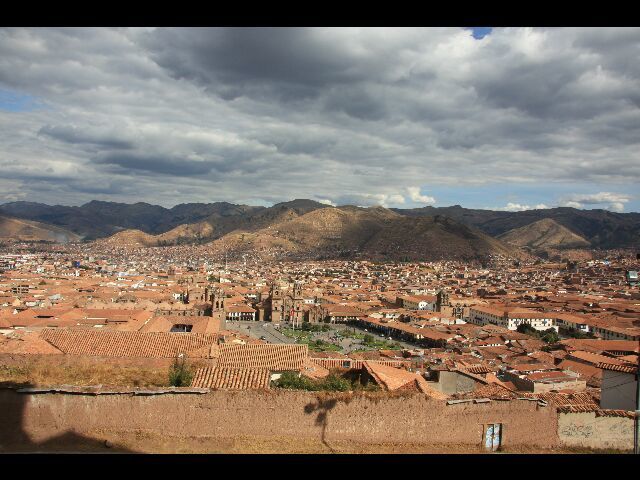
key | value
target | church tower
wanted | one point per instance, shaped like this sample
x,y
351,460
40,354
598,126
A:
x,y
277,304
217,300
442,300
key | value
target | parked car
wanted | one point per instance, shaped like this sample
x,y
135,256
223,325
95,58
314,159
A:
x,y
263,337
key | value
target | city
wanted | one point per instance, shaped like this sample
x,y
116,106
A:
x,y
320,240
565,335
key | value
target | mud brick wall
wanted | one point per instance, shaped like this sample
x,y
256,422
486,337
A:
x,y
265,414
591,431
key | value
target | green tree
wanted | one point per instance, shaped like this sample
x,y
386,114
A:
x,y
527,329
550,336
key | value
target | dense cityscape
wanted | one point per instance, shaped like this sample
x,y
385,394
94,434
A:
x,y
564,334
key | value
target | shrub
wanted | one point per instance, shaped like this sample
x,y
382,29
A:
x,y
293,381
336,383
180,375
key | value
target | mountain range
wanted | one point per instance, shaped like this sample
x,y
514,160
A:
x,y
306,227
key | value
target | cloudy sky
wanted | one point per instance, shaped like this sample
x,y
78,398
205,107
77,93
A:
x,y
503,118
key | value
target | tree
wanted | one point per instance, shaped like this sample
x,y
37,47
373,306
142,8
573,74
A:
x,y
368,338
550,336
526,329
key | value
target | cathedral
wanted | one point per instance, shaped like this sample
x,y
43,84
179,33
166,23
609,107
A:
x,y
287,305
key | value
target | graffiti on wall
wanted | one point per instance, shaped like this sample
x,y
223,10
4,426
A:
x,y
573,430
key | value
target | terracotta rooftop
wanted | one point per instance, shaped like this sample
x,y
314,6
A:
x,y
110,343
633,369
257,355
231,378
391,378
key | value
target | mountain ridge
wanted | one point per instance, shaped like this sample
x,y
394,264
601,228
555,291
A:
x,y
100,219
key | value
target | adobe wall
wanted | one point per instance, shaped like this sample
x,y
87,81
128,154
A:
x,y
299,416
588,430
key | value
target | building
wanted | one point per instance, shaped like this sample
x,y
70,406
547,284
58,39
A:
x,y
284,304
511,318
417,302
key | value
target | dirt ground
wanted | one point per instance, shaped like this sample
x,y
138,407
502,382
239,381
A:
x,y
143,442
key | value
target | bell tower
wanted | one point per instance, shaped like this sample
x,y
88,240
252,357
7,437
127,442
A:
x,y
217,299
277,303
442,300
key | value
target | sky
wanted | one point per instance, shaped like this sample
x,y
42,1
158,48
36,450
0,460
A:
x,y
499,118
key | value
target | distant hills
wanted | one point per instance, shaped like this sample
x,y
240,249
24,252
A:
x,y
14,229
601,228
373,233
544,234
309,227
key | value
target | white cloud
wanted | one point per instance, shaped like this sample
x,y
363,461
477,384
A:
x,y
517,207
416,196
607,200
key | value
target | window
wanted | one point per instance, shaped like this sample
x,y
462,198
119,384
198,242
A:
x,y
180,327
492,436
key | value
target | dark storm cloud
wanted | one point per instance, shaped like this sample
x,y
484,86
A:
x,y
160,164
252,60
72,134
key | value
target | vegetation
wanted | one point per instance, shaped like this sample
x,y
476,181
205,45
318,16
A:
x,y
322,346
299,335
548,336
180,374
371,342
573,333
313,327
333,383
351,333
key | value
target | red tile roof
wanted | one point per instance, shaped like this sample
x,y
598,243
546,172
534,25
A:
x,y
112,343
257,355
619,368
231,378
391,378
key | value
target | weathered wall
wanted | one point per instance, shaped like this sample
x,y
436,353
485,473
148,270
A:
x,y
453,382
618,390
274,414
588,430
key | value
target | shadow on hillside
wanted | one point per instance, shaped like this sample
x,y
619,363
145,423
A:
x,y
323,407
14,438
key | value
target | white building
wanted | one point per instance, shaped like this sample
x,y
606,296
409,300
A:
x,y
511,318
